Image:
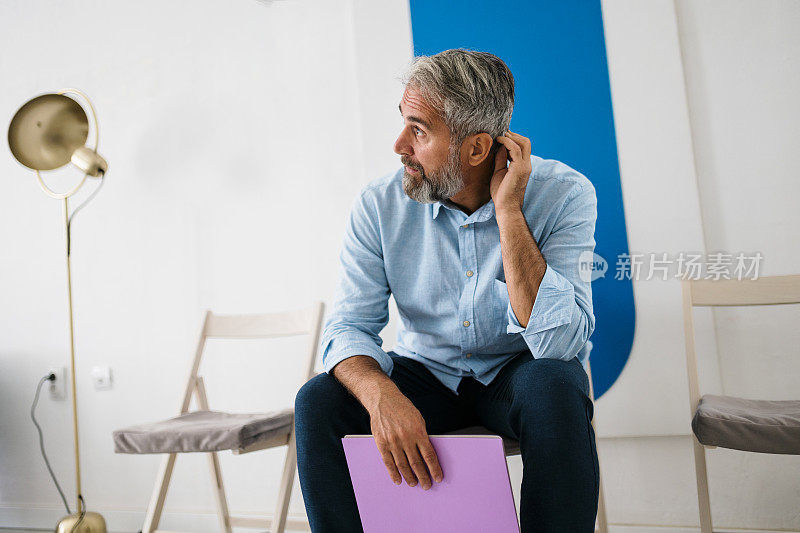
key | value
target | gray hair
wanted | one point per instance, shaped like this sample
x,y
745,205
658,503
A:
x,y
473,91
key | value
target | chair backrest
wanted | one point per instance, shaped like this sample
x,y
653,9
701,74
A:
x,y
266,325
306,321
728,292
772,290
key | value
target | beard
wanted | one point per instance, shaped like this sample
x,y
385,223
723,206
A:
x,y
437,186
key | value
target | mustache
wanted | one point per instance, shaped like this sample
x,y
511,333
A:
x,y
407,162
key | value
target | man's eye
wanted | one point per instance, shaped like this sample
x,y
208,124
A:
x,y
417,131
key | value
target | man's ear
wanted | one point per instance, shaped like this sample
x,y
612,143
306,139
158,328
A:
x,y
479,148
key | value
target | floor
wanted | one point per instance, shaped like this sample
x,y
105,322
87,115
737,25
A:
x,y
612,529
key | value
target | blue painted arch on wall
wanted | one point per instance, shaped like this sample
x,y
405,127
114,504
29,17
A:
x,y
556,51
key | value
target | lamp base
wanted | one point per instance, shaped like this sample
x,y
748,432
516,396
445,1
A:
x,y
91,523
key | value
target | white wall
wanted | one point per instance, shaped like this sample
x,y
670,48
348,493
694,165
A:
x,y
238,129
740,75
235,151
742,64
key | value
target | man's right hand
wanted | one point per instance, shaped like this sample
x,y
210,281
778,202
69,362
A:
x,y
402,439
397,426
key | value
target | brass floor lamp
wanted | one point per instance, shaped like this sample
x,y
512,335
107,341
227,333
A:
x,y
47,133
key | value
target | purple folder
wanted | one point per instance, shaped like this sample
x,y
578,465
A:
x,y
475,494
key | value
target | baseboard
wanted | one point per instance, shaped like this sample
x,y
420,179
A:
x,y
630,528
127,521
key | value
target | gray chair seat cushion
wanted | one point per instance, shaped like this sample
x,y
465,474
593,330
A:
x,y
750,425
204,431
510,446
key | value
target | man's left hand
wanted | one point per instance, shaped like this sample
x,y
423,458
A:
x,y
508,183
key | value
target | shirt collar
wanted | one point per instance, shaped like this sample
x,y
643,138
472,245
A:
x,y
484,212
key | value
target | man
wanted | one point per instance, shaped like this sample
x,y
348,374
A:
x,y
479,243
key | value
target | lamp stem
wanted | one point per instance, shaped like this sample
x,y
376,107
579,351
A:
x,y
72,359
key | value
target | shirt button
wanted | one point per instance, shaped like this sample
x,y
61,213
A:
x,y
469,355
466,323
469,273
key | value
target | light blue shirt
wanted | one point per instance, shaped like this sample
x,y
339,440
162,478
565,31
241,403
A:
x,y
445,271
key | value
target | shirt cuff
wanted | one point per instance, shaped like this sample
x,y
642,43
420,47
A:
x,y
552,307
343,346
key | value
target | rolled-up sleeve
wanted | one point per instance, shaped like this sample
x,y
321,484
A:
x,y
562,319
360,309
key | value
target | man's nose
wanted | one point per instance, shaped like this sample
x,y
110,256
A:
x,y
401,145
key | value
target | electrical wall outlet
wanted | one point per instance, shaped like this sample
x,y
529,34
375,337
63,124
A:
x,y
101,377
58,388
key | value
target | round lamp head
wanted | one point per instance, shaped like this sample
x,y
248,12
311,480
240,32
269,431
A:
x,y
47,130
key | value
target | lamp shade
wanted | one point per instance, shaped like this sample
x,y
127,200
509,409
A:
x,y
46,131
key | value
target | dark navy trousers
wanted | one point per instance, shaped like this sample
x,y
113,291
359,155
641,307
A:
x,y
542,403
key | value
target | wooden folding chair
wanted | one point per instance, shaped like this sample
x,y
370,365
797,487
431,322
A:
x,y
726,421
305,321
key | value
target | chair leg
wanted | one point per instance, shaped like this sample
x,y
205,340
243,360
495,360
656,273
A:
x,y
703,500
602,520
156,505
278,523
219,493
